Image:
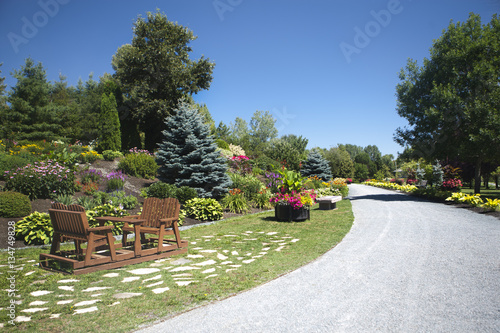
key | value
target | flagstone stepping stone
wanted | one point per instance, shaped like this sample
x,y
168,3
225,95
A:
x,y
235,266
183,278
250,239
234,253
160,290
80,311
262,253
249,232
230,235
39,282
111,275
248,261
161,260
239,242
96,282
96,295
40,293
272,233
294,240
266,249
29,273
210,270
157,277
130,279
230,269
54,316
85,303
94,289
208,236
226,262
154,284
225,251
206,263
144,271
197,248
60,296
68,281
208,251
37,303
126,295
195,256
115,303
184,283
67,288
181,261
279,248
21,319
65,302
282,244
221,256
185,268
211,276
33,310
182,275
240,258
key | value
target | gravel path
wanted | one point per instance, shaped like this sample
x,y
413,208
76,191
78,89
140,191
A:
x,y
407,265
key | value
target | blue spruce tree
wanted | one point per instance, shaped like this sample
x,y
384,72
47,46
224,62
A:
x,y
188,155
316,165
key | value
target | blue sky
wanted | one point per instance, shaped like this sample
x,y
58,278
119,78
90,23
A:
x,y
325,69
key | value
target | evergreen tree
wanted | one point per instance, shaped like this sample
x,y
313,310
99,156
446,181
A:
x,y
188,155
110,137
316,165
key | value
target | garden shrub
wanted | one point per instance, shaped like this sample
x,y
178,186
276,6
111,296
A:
x,y
110,155
89,157
14,204
87,202
121,199
261,199
35,229
235,202
204,209
185,193
106,210
140,165
12,162
42,180
90,175
164,190
65,199
248,184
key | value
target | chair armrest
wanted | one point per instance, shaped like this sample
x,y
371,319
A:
x,y
170,219
102,228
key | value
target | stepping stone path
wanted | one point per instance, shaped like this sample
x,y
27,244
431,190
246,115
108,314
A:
x,y
161,276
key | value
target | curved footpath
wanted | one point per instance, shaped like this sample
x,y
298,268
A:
x,y
407,265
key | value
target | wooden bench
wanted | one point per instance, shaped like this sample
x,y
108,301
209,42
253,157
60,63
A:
x,y
328,202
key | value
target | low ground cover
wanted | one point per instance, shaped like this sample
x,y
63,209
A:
x,y
223,259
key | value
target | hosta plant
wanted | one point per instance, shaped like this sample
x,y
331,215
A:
x,y
35,229
204,209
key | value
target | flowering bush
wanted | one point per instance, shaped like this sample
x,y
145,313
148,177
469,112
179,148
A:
x,y
452,184
135,150
273,181
89,156
236,150
295,199
116,180
41,180
241,164
235,201
411,181
91,175
90,188
349,180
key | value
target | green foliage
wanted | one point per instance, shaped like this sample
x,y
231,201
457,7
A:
x,y
140,165
110,155
316,165
235,202
13,162
155,72
188,155
35,229
261,199
90,175
282,151
248,184
110,135
87,202
222,144
342,188
163,190
106,210
65,199
66,156
13,204
42,180
121,199
89,156
204,209
115,184
292,180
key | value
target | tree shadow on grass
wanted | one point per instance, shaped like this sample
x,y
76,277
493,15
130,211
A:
x,y
388,197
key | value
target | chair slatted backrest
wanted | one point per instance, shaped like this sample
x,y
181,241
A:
x,y
70,223
74,208
155,209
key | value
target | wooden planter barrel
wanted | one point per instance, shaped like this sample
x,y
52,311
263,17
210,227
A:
x,y
288,214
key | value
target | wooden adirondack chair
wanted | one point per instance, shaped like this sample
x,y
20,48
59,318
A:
x,y
160,217
70,222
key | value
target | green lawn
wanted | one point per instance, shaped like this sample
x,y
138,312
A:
x,y
225,258
490,193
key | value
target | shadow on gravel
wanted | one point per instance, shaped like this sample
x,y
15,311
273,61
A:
x,y
387,197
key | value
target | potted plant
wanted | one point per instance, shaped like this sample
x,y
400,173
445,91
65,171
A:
x,y
293,206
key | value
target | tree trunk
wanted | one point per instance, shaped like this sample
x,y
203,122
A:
x,y
477,177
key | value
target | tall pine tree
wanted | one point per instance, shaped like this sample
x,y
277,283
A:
x,y
110,138
188,155
316,165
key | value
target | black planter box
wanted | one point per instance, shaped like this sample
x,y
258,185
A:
x,y
287,213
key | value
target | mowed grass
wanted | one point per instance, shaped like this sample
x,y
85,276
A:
x,y
485,193
283,247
